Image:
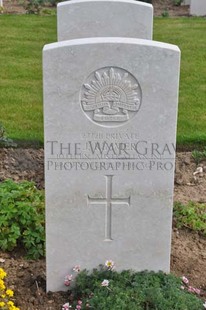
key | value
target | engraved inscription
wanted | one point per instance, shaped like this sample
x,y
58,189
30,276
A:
x,y
111,96
108,201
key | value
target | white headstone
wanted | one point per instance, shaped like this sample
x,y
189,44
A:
x,y
1,2
198,7
104,18
110,111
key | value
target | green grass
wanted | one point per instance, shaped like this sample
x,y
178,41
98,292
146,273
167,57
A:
x,y
22,39
189,35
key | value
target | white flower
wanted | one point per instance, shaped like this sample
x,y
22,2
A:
x,y
66,306
69,277
185,280
105,283
76,268
109,264
204,305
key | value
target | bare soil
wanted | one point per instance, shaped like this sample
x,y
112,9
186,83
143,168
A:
x,y
160,6
28,278
13,7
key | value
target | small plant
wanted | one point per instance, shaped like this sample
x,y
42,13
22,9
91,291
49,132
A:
x,y
192,216
22,218
33,6
54,2
177,2
4,140
104,289
165,13
198,156
6,302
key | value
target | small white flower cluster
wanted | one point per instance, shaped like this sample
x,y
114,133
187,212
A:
x,y
109,264
105,283
68,279
188,287
66,306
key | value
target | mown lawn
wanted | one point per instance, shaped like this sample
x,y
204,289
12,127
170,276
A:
x,y
190,35
22,39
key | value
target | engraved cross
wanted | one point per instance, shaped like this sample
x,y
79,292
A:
x,y
108,201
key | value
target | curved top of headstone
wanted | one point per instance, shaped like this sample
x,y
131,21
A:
x,y
111,40
104,18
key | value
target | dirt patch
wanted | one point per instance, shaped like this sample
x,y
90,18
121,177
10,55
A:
x,y
190,185
22,164
13,7
28,278
160,6
189,257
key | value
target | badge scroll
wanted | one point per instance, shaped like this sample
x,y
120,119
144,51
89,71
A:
x,y
111,96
